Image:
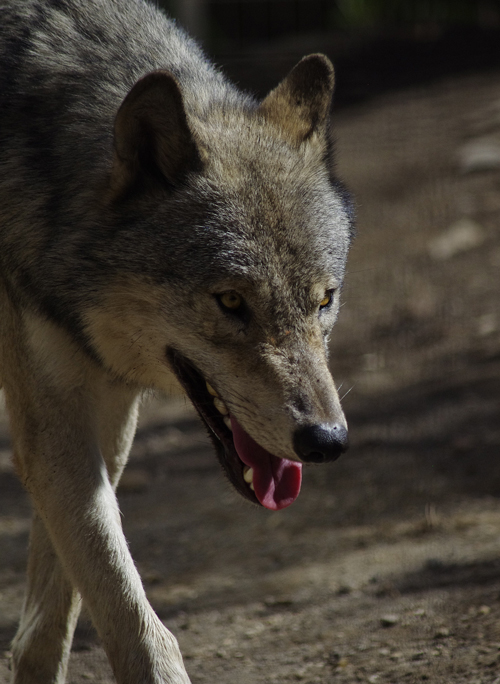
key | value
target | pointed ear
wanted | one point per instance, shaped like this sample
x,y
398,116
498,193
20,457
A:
x,y
152,139
300,104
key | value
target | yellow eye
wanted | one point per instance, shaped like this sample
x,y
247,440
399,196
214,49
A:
x,y
327,299
230,300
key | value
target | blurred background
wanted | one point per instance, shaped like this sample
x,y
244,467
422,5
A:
x,y
377,44
387,567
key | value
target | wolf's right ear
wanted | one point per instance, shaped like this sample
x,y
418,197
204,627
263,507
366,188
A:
x,y
300,104
152,138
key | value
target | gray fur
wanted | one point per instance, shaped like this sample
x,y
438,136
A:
x,y
137,187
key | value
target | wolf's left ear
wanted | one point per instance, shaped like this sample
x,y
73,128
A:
x,y
152,139
300,104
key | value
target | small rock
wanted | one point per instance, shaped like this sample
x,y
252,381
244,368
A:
x,y
442,632
487,324
479,155
389,620
277,602
463,235
484,610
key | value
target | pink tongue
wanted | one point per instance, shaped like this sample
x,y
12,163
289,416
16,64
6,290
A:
x,y
276,480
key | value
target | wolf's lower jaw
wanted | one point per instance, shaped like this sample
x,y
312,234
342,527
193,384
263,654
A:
x,y
215,415
255,473
223,409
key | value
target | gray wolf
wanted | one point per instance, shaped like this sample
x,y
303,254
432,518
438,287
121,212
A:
x,y
153,219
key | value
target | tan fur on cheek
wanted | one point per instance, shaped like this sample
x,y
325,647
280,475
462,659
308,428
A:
x,y
130,332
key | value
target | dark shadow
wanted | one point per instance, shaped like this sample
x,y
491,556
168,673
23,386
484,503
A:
x,y
435,575
7,633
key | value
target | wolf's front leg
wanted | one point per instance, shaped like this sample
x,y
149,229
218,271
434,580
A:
x,y
51,607
86,532
42,644
55,399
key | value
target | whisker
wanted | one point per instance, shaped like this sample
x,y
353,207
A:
x,y
345,395
361,270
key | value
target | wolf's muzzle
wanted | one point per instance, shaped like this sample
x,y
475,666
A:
x,y
320,443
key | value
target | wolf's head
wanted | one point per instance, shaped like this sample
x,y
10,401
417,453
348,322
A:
x,y
233,234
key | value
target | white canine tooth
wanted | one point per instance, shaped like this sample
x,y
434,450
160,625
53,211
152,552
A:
x,y
220,406
227,422
211,390
252,487
248,474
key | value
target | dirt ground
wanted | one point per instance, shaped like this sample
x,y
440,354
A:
x,y
387,568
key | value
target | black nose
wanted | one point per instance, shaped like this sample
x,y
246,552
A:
x,y
320,443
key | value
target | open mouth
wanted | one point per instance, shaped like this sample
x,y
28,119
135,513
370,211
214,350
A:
x,y
254,472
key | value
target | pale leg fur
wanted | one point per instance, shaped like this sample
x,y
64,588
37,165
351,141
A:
x,y
43,641
70,422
